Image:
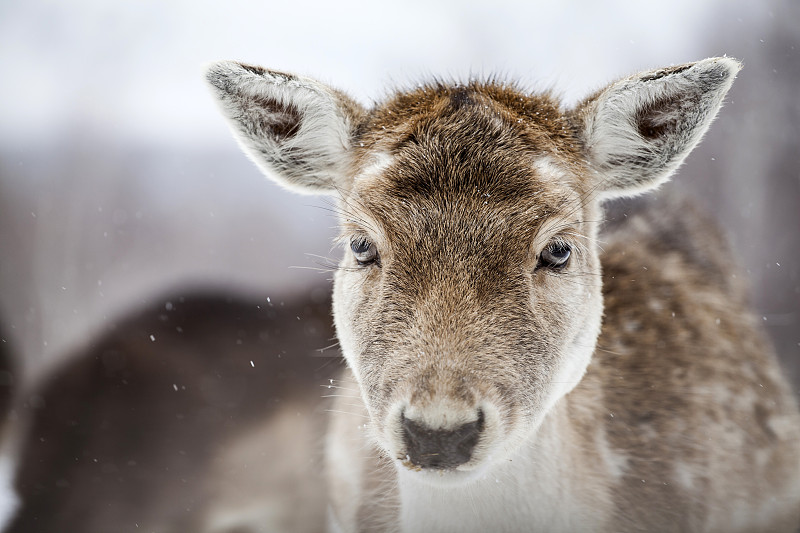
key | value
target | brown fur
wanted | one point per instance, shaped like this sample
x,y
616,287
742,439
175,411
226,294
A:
x,y
678,360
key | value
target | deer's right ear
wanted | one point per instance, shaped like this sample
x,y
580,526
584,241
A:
x,y
297,130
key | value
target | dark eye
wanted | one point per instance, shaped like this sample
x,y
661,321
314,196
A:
x,y
555,256
365,252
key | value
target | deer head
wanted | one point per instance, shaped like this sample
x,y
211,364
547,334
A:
x,y
468,300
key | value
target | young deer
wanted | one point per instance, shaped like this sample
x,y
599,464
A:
x,y
498,381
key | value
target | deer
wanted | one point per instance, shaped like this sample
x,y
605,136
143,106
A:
x,y
512,363
178,416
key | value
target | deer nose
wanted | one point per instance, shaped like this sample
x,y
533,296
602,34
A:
x,y
440,449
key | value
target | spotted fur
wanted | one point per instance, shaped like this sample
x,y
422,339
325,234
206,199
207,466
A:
x,y
639,396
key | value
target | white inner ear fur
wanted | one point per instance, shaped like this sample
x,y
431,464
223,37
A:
x,y
295,129
679,102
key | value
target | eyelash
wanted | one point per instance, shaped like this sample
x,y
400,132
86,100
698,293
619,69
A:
x,y
555,256
364,251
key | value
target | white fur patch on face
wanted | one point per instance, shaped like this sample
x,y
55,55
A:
x,y
443,413
377,165
577,354
549,169
572,366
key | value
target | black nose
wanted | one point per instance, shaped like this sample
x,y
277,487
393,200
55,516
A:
x,y
440,448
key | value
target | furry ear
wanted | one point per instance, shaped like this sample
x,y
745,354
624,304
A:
x,y
637,131
297,130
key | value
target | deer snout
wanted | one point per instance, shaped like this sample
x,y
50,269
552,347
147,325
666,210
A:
x,y
440,448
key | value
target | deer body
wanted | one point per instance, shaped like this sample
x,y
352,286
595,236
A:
x,y
489,387
615,454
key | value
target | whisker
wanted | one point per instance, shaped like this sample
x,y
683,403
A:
x,y
331,386
334,345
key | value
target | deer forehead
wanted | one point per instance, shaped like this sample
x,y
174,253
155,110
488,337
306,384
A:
x,y
461,163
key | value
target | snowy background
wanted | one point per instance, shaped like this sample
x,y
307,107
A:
x,y
119,179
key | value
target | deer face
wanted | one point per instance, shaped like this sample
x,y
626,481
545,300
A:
x,y
468,301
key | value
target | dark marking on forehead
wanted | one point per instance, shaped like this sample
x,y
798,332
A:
x,y
460,98
461,157
461,196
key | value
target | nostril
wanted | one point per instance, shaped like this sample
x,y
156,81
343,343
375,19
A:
x,y
440,448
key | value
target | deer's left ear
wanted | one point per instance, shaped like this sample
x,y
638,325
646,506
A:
x,y
637,131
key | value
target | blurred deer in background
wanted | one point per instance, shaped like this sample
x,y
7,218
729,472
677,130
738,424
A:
x,y
498,378
199,413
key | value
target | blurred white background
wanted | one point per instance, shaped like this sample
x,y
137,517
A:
x,y
119,179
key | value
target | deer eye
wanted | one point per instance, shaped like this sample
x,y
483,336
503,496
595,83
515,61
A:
x,y
555,256
365,252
